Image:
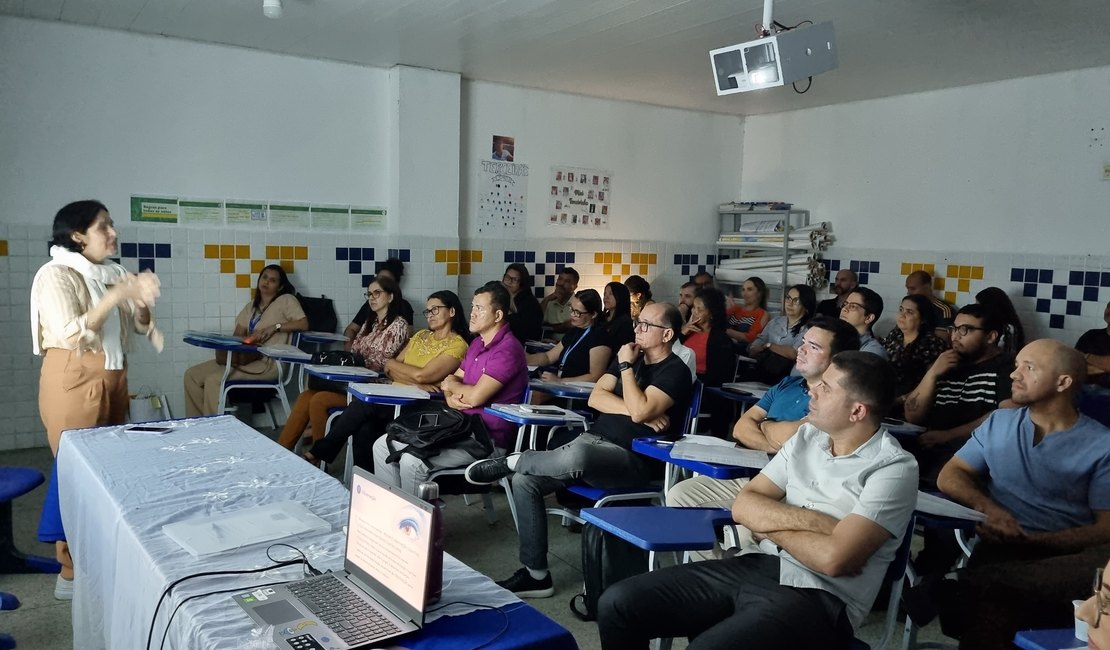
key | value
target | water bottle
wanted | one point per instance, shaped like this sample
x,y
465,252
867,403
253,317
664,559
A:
x,y
429,491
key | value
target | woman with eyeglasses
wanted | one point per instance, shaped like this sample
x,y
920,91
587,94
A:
x,y
526,315
617,317
429,356
583,354
911,346
268,318
776,347
383,334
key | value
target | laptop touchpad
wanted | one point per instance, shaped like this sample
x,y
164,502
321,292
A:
x,y
276,613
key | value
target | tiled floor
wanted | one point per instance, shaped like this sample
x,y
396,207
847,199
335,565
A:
x,y
43,623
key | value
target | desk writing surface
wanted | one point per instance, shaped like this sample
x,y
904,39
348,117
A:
x,y
119,487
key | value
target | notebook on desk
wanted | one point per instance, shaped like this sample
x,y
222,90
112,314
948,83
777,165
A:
x,y
380,592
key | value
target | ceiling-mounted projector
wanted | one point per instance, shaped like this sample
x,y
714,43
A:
x,y
774,60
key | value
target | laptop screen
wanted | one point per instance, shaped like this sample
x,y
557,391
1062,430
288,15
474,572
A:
x,y
389,541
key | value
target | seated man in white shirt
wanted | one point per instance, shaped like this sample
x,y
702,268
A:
x,y
828,514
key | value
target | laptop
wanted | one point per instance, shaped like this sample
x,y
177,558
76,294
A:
x,y
379,594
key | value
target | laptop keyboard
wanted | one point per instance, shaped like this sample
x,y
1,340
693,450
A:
x,y
339,608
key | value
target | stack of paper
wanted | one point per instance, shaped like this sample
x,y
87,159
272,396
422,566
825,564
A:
x,y
709,449
229,530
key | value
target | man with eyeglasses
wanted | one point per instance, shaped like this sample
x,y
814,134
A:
x,y
1041,474
861,309
556,305
962,387
828,513
645,392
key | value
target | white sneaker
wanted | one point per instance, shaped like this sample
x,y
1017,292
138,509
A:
x,y
63,589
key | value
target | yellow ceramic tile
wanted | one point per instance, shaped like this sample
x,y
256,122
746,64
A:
x,y
643,269
599,258
464,268
257,266
242,251
287,265
931,269
976,273
453,255
464,256
963,285
273,252
938,283
227,266
616,278
441,255
953,271
607,269
452,268
227,251
242,281
3,248
652,259
476,256
907,268
965,272
626,269
286,253
211,251
950,296
614,258
300,252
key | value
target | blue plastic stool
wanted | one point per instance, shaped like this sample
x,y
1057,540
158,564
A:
x,y
15,482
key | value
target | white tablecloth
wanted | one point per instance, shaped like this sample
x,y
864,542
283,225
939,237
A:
x,y
118,488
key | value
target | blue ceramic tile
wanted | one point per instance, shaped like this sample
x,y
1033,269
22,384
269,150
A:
x,y
1030,291
341,254
874,267
1031,275
1075,277
550,256
162,250
366,280
538,291
1105,279
146,264
549,281
863,278
354,267
1091,280
1090,294
406,255
1074,307
146,250
368,253
509,258
1059,292
520,257
354,254
129,250
570,257
854,265
1056,321
709,259
685,269
530,257
559,268
1046,276
1043,305
540,269
834,265
1017,275
703,268
561,257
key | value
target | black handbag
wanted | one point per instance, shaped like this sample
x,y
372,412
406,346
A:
x,y
428,426
333,358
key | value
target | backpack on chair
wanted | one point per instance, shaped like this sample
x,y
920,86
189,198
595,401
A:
x,y
428,426
606,560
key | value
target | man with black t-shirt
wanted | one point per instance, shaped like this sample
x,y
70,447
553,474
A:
x,y
645,392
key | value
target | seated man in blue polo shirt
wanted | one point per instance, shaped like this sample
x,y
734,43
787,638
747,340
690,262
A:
x,y
1041,474
767,425
828,514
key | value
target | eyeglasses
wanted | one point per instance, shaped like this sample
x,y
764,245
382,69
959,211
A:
x,y
1100,603
791,301
853,306
511,279
643,325
433,311
375,293
577,313
963,330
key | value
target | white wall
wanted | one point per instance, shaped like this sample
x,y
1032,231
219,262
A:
x,y
1010,166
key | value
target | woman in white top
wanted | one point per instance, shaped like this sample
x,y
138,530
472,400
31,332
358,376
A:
x,y
84,308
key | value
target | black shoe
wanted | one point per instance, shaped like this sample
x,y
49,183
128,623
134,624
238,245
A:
x,y
524,585
488,471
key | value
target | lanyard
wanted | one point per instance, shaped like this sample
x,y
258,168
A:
x,y
255,317
566,353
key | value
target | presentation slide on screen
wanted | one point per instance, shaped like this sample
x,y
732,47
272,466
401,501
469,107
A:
x,y
389,539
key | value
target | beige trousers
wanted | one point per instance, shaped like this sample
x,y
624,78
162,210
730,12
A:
x,y
202,386
705,492
75,391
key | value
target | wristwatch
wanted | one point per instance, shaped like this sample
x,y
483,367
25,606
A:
x,y
277,328
624,365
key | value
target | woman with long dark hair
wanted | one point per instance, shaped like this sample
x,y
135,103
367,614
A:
x,y
996,300
639,292
911,346
381,337
583,353
715,360
525,313
429,356
748,318
617,316
270,317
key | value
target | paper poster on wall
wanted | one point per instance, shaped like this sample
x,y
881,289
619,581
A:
x,y
154,209
288,215
367,218
579,198
250,215
335,217
502,197
504,147
201,213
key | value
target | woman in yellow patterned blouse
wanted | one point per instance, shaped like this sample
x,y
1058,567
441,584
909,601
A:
x,y
431,355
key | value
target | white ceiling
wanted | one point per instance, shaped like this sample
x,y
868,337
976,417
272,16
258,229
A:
x,y
652,51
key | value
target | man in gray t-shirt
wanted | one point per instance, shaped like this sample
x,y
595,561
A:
x,y
828,514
